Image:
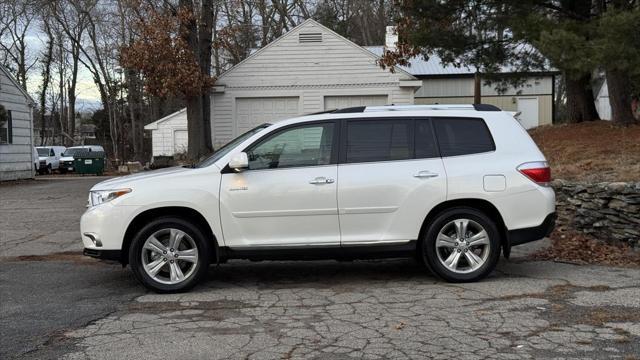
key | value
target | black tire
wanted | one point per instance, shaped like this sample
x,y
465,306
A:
x,y
170,222
429,252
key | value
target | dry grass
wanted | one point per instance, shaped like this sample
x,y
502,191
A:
x,y
593,151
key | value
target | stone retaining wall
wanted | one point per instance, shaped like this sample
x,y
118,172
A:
x,y
608,211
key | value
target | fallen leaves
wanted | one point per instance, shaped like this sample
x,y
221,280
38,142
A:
x,y
574,247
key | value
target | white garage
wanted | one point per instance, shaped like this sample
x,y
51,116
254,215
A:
x,y
340,102
251,112
169,134
307,70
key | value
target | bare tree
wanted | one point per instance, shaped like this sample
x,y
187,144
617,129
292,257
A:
x,y
17,17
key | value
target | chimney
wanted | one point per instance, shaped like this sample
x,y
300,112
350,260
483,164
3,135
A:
x,y
390,38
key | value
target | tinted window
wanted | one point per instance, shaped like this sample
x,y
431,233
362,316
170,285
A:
x,y
426,146
378,141
461,136
308,145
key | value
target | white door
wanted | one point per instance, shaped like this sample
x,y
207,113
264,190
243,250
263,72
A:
x,y
341,102
251,112
528,108
180,141
287,196
384,190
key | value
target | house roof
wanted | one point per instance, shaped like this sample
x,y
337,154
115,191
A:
x,y
17,84
154,125
365,51
434,66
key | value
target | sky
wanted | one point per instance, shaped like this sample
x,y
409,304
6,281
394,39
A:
x,y
88,97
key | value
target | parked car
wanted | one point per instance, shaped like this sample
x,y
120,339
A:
x,y
67,159
36,160
451,185
49,158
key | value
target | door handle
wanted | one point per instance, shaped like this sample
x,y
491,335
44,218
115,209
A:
x,y
321,180
425,174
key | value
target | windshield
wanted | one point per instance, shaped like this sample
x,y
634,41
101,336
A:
x,y
71,151
230,146
43,152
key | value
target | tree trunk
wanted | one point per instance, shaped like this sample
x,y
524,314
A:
x,y
477,88
620,97
205,36
195,128
580,102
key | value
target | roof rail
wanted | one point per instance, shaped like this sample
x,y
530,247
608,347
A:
x,y
477,107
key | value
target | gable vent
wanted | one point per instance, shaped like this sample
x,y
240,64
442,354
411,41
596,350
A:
x,y
309,37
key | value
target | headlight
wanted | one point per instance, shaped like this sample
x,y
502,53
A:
x,y
102,196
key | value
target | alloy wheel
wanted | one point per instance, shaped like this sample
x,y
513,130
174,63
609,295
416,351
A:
x,y
463,246
169,256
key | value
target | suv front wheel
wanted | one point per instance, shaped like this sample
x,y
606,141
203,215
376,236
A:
x,y
461,245
169,255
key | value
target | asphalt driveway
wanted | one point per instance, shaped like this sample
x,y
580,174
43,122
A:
x,y
55,305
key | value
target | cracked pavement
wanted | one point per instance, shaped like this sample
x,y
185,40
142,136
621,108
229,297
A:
x,y
84,309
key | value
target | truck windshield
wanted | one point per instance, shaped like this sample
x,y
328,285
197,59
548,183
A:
x,y
43,152
230,146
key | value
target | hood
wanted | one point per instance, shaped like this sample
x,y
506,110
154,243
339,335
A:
x,y
66,158
42,158
135,179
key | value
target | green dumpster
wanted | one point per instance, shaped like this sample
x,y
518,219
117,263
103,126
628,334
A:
x,y
89,162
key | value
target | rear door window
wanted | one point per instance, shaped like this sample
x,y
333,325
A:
x,y
378,140
462,136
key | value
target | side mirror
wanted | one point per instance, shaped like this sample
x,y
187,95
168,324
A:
x,y
239,162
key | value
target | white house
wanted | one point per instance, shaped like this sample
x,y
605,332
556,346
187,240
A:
x,y
16,130
169,134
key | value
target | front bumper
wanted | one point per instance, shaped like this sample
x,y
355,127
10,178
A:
x,y
523,236
102,227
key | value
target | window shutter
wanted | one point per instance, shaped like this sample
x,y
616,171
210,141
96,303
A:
x,y
9,129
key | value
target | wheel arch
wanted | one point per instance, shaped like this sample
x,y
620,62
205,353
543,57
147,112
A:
x,y
479,204
182,212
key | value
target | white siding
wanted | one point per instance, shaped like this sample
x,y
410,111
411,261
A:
x,y
167,139
310,72
16,159
463,86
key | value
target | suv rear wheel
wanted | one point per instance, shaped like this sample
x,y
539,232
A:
x,y
461,245
169,255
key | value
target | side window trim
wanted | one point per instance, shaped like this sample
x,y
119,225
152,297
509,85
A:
x,y
333,160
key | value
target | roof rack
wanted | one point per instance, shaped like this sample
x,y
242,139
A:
x,y
359,109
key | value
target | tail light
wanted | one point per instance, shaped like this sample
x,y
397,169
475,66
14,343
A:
x,y
537,171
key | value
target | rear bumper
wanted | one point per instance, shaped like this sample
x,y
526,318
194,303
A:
x,y
523,236
103,254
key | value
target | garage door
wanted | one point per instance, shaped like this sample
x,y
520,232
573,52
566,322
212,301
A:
x,y
528,108
340,102
180,141
251,112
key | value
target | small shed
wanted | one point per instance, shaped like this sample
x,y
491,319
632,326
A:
x,y
169,134
16,130
448,84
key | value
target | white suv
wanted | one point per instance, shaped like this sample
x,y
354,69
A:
x,y
453,185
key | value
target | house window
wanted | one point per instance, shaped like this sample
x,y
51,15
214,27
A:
x,y
6,126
